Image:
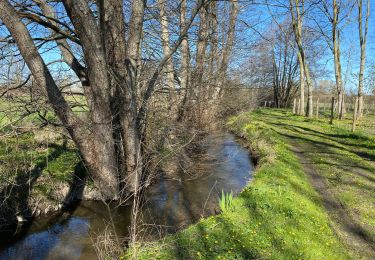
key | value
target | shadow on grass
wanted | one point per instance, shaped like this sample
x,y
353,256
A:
x,y
338,138
15,196
324,145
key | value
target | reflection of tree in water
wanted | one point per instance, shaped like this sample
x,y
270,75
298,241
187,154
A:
x,y
190,195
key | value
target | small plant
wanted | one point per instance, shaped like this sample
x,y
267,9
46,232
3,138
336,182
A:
x,y
226,200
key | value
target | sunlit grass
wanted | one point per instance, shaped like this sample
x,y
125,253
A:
x,y
277,216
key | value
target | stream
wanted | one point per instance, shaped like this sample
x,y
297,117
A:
x,y
170,204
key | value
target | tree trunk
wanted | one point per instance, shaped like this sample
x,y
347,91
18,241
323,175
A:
x,y
214,40
132,131
301,110
227,50
299,107
355,114
337,59
297,12
332,110
185,61
95,141
362,43
168,68
201,47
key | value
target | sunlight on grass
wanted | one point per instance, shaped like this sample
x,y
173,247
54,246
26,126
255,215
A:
x,y
277,216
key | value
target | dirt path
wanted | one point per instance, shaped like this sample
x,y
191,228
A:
x,y
346,225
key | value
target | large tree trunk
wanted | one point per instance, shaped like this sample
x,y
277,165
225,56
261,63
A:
x,y
132,131
95,141
123,88
104,160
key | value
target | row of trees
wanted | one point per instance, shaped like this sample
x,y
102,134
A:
x,y
289,55
119,54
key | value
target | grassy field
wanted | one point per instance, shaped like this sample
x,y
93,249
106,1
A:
x,y
346,163
25,146
34,162
279,215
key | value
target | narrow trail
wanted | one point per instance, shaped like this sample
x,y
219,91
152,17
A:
x,y
344,224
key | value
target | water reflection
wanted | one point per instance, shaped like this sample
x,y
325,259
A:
x,y
170,204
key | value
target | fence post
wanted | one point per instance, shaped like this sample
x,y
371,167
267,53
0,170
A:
x,y
355,114
299,107
332,108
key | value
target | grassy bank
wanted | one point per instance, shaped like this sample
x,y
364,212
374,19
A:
x,y
346,163
277,216
36,164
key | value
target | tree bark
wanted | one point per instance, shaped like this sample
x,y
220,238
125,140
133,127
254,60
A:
x,y
332,110
90,140
214,40
227,50
185,61
168,68
100,109
362,43
302,86
354,122
337,59
297,11
201,47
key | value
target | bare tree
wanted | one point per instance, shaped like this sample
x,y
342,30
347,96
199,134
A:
x,y
362,43
185,61
337,58
109,136
227,49
334,13
169,69
285,68
297,10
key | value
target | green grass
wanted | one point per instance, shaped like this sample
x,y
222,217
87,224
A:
x,y
23,145
12,111
23,154
345,159
277,216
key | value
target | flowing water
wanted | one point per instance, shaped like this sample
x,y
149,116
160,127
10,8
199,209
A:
x,y
171,203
